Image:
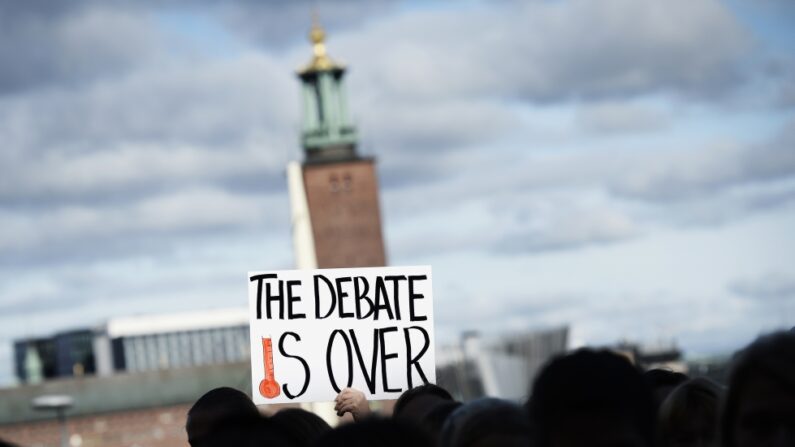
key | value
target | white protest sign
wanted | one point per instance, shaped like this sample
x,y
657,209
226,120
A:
x,y
315,332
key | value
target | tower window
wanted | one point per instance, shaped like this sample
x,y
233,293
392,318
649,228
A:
x,y
347,181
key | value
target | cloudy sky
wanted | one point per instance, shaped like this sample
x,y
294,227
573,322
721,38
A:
x,y
626,167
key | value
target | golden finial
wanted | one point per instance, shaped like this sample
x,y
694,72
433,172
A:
x,y
320,60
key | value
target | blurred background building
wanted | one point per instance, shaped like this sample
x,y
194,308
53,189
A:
x,y
497,365
137,343
336,216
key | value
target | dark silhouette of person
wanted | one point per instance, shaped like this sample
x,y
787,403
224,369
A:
x,y
486,422
689,415
414,404
375,431
760,404
592,398
220,415
662,382
434,420
302,426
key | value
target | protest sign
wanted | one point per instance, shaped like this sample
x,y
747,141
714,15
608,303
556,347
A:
x,y
316,332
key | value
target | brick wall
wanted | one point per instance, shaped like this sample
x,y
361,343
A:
x,y
345,214
154,427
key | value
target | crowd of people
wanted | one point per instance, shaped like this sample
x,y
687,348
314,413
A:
x,y
584,398
587,397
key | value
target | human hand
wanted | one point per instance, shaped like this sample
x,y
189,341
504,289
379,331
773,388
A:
x,y
351,400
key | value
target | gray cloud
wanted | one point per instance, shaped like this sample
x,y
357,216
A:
x,y
155,130
158,224
42,43
618,117
570,230
770,287
681,174
275,24
546,51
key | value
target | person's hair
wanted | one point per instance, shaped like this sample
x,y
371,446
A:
x,y
426,390
696,401
376,431
303,426
488,421
433,422
218,411
589,381
771,357
658,377
6,444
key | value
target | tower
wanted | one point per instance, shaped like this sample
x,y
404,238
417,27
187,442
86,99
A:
x,y
334,202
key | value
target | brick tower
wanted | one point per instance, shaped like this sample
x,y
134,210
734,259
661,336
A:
x,y
336,217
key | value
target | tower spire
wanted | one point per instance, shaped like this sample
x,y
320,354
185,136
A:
x,y
327,132
320,59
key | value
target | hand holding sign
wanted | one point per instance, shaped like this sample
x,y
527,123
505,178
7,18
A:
x,y
352,401
327,330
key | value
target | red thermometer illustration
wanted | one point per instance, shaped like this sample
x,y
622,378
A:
x,y
269,387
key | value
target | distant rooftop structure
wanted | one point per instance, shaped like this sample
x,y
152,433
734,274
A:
x,y
136,343
651,356
497,365
176,322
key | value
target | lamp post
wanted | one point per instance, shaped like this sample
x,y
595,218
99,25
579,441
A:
x,y
59,404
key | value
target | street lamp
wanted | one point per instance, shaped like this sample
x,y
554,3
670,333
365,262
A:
x,y
59,404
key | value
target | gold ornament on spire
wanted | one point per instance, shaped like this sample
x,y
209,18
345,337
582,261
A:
x,y
320,60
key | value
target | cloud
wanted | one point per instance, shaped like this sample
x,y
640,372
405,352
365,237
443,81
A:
x,y
275,24
685,173
69,44
155,130
158,224
442,126
773,286
569,230
620,118
549,51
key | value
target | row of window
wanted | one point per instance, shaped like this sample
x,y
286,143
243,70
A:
x,y
185,349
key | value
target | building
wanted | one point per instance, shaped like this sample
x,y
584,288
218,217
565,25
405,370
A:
x,y
716,368
182,340
121,410
654,356
334,201
132,378
135,344
63,355
335,210
499,365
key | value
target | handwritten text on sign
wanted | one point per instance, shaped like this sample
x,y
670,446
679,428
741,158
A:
x,y
315,332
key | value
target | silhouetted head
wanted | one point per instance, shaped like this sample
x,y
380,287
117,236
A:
x,y
661,382
218,412
760,404
689,416
416,403
303,426
433,422
486,422
6,444
591,398
376,432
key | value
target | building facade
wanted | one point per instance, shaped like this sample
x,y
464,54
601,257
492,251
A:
x,y
334,200
136,344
